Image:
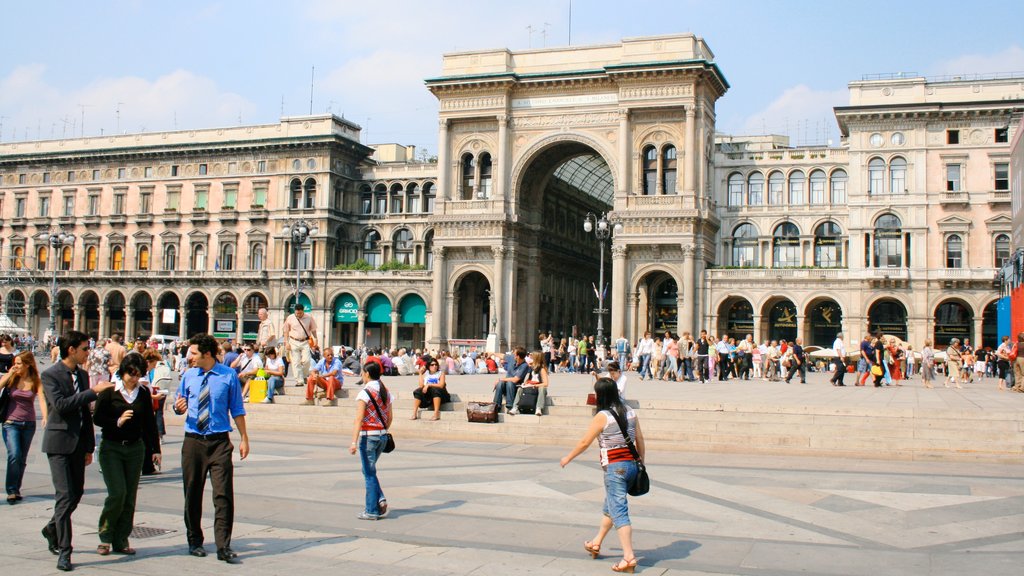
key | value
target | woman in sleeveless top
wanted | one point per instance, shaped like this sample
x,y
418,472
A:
x,y
536,378
369,434
432,391
619,468
23,384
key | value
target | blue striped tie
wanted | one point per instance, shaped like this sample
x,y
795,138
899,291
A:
x,y
203,411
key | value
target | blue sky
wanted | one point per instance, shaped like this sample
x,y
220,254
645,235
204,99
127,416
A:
x,y
134,65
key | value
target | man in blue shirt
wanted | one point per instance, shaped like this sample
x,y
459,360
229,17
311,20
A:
x,y
210,394
513,379
326,374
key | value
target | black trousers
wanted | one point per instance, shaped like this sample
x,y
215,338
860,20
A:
x,y
68,473
840,371
723,366
201,458
794,368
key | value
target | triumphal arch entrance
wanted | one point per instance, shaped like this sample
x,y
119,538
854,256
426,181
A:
x,y
530,143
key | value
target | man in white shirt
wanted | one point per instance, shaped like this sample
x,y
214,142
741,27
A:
x,y
274,368
722,347
247,365
265,335
298,329
644,349
839,360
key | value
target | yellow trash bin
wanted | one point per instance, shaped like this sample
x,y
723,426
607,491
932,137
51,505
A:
x,y
257,390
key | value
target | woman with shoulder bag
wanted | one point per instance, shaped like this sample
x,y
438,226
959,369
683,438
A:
x,y
370,435
620,465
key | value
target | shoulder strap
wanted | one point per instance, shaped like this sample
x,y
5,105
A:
x,y
621,421
303,326
380,414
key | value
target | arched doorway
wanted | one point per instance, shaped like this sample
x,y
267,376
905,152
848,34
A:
x,y
735,318
168,308
561,183
39,311
14,307
824,322
781,320
412,321
472,307
346,320
662,296
89,304
250,316
142,316
990,326
65,312
953,319
378,321
197,314
116,314
225,317
888,317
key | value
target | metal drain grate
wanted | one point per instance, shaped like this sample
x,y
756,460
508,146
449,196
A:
x,y
147,532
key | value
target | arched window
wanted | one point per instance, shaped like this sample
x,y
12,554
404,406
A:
x,y
668,169
295,194
402,242
65,258
796,188
171,257
143,261
876,176
42,255
428,249
776,181
19,258
227,256
397,198
468,176
309,189
828,244
296,165
91,258
380,199
365,200
837,192
371,248
898,176
198,257
817,187
888,242
428,198
755,189
954,251
412,205
117,258
650,171
744,246
1002,250
485,176
735,189
786,246
256,257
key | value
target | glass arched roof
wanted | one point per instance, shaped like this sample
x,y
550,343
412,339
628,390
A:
x,y
588,173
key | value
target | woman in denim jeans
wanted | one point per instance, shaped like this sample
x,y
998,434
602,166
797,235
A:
x,y
23,384
619,468
369,433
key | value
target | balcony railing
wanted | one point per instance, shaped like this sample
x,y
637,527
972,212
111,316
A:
x,y
959,197
999,197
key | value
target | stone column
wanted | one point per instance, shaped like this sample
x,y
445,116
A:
x,y
210,324
500,169
659,185
800,327
238,325
181,322
394,330
451,310
498,293
103,321
156,321
625,158
443,169
978,333
636,328
361,329
692,154
437,291
619,292
758,334
689,284
79,318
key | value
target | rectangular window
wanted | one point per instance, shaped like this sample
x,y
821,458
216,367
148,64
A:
x,y
148,171
22,178
118,203
121,173
1002,135
95,174
46,177
736,191
174,170
261,166
311,199
775,192
230,197
94,204
259,195
817,191
366,205
952,136
202,169
69,205
44,206
202,198
19,207
146,202
952,177
396,204
1002,176
381,206
71,175
428,205
173,199
232,167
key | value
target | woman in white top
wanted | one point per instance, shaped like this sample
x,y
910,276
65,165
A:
x,y
433,390
537,378
619,465
369,436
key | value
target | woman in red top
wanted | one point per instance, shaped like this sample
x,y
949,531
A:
x,y
369,435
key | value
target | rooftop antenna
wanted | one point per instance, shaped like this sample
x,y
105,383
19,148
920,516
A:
x,y
530,30
175,119
312,73
82,126
544,35
117,112
2,118
570,22
64,133
282,105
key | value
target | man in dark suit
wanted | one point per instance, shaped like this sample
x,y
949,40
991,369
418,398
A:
x,y
68,439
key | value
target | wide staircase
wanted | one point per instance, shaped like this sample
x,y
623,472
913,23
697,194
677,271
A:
x,y
847,432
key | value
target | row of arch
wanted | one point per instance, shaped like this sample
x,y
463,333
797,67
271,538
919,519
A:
x,y
793,188
786,247
225,258
398,198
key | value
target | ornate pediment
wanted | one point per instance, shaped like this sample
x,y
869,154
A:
x,y
954,223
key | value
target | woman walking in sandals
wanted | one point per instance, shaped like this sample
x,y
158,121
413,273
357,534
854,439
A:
x,y
620,467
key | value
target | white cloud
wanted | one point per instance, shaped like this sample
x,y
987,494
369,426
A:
x,y
1009,60
35,107
802,113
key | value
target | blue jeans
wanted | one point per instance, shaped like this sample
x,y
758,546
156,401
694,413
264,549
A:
x,y
370,449
645,366
18,438
617,477
622,361
506,390
273,383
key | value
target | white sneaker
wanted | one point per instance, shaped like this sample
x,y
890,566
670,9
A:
x,y
513,411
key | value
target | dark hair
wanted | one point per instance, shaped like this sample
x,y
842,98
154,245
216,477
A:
x,y
608,396
73,339
270,350
520,352
373,369
132,364
205,344
151,355
300,306
614,365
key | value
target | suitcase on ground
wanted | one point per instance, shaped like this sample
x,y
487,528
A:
x,y
528,401
481,412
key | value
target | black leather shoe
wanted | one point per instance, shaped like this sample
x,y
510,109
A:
x,y
51,540
64,563
197,551
228,555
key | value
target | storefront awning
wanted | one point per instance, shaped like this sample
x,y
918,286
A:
x,y
346,309
378,309
303,299
412,310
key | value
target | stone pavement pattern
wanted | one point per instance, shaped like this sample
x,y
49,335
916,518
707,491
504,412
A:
x,y
496,509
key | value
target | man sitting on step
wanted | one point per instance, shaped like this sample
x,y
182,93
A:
x,y
326,374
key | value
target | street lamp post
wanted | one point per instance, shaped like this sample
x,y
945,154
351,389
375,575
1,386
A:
x,y
300,231
603,228
57,240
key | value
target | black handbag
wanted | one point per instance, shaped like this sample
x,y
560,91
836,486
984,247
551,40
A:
x,y
641,483
389,443
5,400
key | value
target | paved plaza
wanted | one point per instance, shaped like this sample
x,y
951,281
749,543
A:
x,y
494,509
